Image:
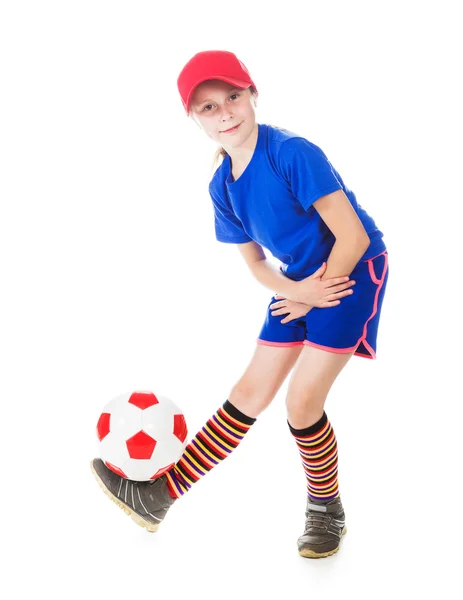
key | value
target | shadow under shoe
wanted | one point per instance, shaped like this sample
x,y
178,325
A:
x,y
324,528
147,502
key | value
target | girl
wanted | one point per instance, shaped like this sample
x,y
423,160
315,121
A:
x,y
274,189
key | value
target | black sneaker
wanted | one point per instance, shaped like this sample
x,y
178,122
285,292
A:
x,y
324,528
147,502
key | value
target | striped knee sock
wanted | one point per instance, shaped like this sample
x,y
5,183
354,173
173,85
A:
x,y
319,452
214,442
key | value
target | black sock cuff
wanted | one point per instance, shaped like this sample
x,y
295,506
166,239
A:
x,y
309,430
236,414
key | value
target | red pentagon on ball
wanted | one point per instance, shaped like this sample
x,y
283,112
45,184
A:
x,y
115,469
162,471
180,428
141,445
143,399
102,427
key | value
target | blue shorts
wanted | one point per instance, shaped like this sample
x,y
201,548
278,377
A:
x,y
350,326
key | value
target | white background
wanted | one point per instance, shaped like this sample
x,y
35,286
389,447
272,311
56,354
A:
x,y
112,281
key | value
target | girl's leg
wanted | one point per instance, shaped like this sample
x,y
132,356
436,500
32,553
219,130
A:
x,y
312,378
147,502
222,433
314,374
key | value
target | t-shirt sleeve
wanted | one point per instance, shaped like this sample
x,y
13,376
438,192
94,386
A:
x,y
307,170
228,228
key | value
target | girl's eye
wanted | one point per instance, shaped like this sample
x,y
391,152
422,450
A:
x,y
211,104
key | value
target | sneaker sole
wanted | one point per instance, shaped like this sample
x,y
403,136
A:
x,y
307,553
151,527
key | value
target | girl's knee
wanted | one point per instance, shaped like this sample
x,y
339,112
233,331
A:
x,y
249,401
304,410
309,397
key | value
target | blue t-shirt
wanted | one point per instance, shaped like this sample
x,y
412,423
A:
x,y
271,202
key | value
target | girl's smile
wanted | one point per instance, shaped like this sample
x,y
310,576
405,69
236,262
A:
x,y
228,131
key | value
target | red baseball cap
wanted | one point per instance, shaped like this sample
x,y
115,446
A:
x,y
211,64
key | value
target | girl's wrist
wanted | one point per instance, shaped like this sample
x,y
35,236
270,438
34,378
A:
x,y
292,291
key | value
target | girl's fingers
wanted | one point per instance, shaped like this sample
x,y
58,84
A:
x,y
342,287
340,295
330,304
278,304
335,281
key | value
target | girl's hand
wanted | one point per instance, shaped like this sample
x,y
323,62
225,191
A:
x,y
322,294
296,310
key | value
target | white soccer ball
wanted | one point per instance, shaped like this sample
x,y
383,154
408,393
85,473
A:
x,y
141,435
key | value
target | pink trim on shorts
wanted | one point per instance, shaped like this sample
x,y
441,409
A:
x,y
370,349
379,282
330,349
362,339
266,343
373,257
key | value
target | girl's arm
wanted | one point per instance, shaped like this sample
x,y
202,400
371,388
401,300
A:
x,y
321,294
265,273
352,240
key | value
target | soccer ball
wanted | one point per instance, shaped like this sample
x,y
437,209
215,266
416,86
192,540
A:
x,y
141,435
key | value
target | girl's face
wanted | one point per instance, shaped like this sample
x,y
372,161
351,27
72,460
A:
x,y
217,106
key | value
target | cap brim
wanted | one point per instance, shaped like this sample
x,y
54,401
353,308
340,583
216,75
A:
x,y
236,82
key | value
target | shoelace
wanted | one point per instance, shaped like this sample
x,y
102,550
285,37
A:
x,y
318,520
